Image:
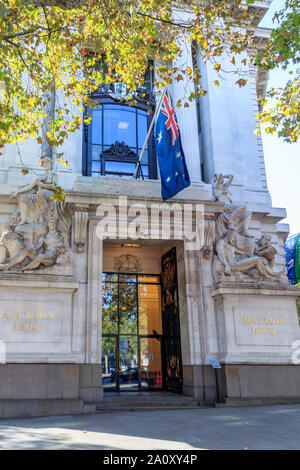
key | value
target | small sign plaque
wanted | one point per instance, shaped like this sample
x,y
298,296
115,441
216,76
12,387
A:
x,y
215,363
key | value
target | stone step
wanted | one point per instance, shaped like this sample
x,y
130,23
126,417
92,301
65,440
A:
x,y
153,398
116,404
104,409
120,402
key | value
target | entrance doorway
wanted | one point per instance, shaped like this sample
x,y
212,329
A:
x,y
141,347
131,332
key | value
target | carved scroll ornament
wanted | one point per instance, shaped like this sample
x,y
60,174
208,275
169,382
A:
x,y
80,225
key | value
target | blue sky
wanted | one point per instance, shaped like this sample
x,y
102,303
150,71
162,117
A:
x,y
282,159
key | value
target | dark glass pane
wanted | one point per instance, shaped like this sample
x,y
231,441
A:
x,y
101,66
109,277
151,370
96,167
128,308
109,308
96,151
145,156
119,107
145,170
127,277
119,167
97,126
142,129
119,125
148,79
129,370
109,365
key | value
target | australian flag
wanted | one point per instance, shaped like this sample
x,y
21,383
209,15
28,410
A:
x,y
173,170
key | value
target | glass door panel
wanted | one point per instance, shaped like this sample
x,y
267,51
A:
x,y
150,368
128,309
149,309
132,332
109,362
110,299
128,363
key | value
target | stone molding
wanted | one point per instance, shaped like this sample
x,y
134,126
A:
x,y
195,307
94,296
255,289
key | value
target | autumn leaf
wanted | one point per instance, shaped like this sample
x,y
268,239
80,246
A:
x,y
241,82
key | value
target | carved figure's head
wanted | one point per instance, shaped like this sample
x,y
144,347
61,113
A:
x,y
47,164
52,225
232,237
265,239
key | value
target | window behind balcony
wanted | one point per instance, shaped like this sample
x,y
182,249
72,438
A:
x,y
114,139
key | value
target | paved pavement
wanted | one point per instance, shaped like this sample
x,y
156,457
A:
x,y
268,427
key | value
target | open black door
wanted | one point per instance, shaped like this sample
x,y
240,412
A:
x,y
171,323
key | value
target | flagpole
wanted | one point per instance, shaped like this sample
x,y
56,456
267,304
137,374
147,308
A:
x,y
149,132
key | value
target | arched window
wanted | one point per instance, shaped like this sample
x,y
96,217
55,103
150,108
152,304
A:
x,y
114,139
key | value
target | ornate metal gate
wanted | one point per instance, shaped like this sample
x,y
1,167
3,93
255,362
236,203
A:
x,y
171,323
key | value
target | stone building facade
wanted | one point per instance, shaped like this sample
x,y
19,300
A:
x,y
223,295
